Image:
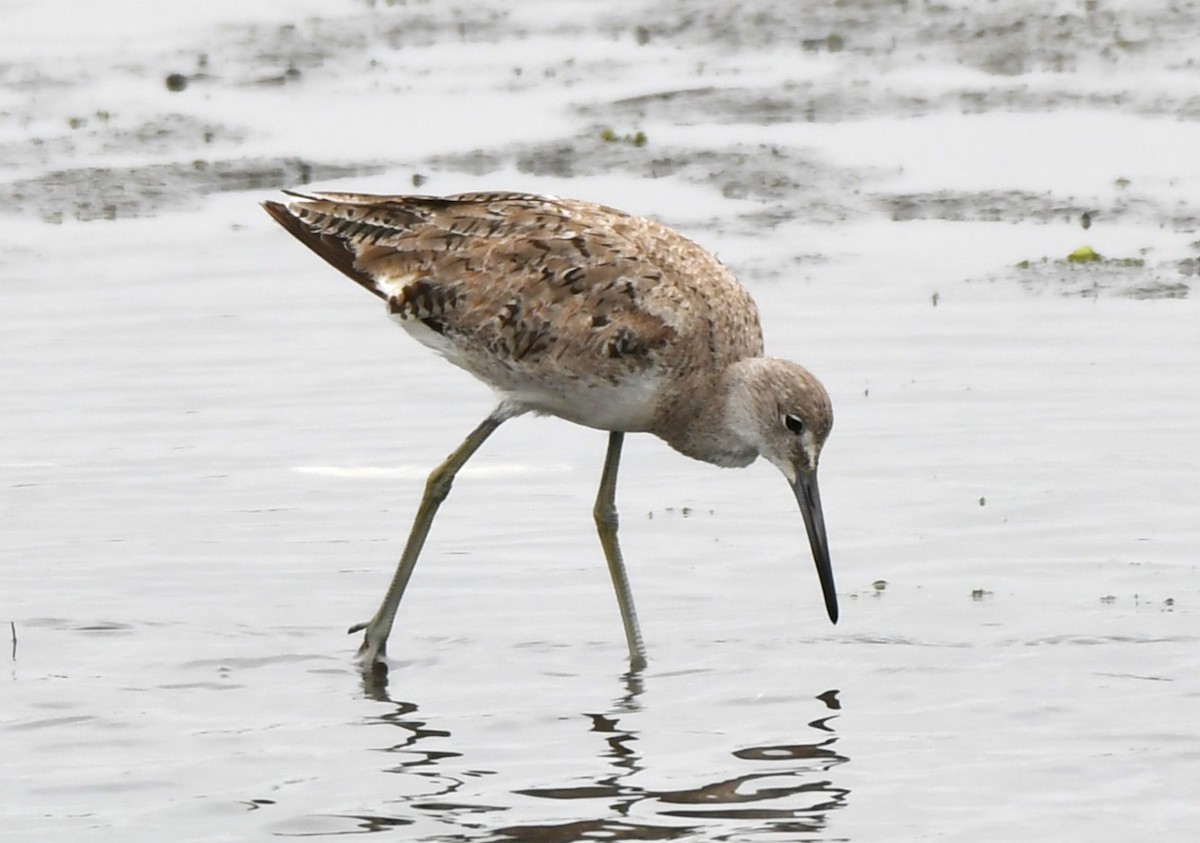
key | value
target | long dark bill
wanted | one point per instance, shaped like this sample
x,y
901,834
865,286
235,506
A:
x,y
809,498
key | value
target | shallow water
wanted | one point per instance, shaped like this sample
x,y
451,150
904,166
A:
x,y
212,446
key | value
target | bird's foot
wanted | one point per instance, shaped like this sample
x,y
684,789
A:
x,y
373,650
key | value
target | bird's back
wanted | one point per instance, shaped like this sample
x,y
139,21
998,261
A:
x,y
566,307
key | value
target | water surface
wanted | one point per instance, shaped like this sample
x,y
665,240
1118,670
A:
x,y
212,445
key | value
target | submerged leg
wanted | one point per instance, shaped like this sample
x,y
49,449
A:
x,y
606,525
374,646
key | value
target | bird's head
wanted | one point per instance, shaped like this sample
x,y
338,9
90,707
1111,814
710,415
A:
x,y
784,412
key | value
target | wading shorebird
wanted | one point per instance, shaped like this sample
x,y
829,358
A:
x,y
573,309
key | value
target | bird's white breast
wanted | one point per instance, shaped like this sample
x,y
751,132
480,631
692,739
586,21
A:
x,y
626,405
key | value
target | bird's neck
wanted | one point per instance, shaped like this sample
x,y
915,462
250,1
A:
x,y
704,421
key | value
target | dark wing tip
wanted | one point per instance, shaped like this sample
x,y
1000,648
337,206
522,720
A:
x,y
279,212
335,250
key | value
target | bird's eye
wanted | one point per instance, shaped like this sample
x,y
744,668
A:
x,y
793,423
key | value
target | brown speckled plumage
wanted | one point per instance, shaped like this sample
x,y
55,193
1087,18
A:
x,y
573,297
581,311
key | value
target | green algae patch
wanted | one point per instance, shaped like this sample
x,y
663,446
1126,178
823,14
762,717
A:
x,y
635,139
1083,255
1086,272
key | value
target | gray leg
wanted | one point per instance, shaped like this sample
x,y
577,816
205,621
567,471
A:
x,y
606,525
374,646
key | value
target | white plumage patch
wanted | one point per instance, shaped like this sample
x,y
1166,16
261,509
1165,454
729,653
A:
x,y
430,338
628,405
391,285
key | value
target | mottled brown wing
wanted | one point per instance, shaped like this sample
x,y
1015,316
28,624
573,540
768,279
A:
x,y
522,280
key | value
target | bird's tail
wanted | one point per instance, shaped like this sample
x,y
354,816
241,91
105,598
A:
x,y
334,226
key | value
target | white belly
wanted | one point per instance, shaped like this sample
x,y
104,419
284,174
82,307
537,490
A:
x,y
593,402
627,406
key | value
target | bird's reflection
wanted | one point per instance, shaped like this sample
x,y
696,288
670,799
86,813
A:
x,y
792,790
415,732
634,688
375,682
782,789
